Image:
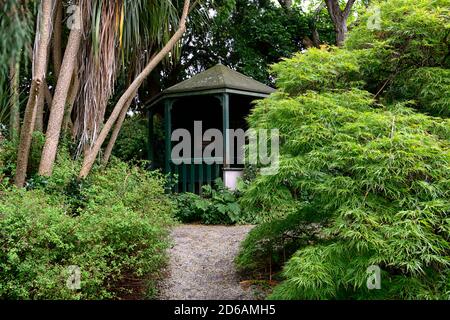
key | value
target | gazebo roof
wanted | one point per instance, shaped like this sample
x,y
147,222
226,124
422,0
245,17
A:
x,y
216,79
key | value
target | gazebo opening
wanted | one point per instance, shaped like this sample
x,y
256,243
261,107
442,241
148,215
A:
x,y
217,100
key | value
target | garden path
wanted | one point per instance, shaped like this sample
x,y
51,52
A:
x,y
202,266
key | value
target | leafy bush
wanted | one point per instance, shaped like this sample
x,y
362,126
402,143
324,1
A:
x,y
121,232
8,155
217,205
190,207
132,142
408,57
318,69
224,207
361,165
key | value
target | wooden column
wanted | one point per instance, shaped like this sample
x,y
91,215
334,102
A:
x,y
151,154
168,133
226,125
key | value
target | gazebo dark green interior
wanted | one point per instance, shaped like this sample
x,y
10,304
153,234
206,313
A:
x,y
219,97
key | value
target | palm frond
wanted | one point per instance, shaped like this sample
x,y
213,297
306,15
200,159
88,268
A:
x,y
119,36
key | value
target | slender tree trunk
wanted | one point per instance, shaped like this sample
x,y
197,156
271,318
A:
x,y
14,117
314,31
67,121
40,68
287,4
59,102
57,42
116,131
44,96
339,18
89,159
39,122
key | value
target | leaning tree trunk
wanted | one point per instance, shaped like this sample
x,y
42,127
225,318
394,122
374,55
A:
x,y
43,36
14,116
90,157
59,101
116,131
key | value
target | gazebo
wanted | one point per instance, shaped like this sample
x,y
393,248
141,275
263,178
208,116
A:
x,y
220,98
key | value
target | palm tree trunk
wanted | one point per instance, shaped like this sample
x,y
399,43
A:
x,y
14,116
57,36
40,68
116,131
59,101
67,121
39,122
89,159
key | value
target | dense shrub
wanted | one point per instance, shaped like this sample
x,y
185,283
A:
x,y
364,177
217,205
190,207
120,232
408,56
8,155
132,142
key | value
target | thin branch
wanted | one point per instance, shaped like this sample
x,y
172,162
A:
x,y
348,7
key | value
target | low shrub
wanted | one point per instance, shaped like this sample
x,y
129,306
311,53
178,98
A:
x,y
190,207
216,205
120,232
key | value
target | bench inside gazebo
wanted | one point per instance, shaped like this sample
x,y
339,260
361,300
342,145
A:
x,y
220,98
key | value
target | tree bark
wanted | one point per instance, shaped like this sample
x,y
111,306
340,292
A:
x,y
116,131
59,102
67,121
48,96
57,39
339,18
39,122
287,4
45,97
40,68
90,157
14,116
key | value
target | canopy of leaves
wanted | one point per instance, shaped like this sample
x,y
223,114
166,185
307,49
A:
x,y
245,35
359,164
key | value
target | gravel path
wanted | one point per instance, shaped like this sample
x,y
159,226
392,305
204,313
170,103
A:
x,y
201,264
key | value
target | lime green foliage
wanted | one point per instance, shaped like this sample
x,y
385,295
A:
x,y
408,57
318,69
430,86
217,205
364,177
122,230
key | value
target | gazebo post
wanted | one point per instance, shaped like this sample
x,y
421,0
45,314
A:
x,y
226,125
168,103
151,154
